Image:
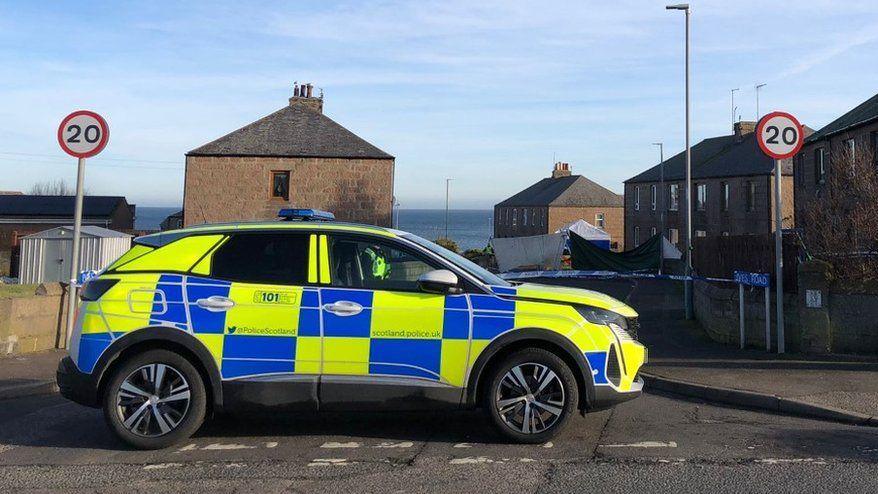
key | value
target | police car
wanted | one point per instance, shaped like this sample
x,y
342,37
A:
x,y
324,315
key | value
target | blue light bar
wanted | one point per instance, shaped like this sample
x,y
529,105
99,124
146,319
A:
x,y
290,214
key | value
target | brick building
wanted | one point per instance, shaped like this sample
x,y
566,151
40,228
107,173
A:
x,y
732,191
844,138
553,202
298,157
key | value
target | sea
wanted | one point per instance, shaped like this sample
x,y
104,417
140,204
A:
x,y
469,228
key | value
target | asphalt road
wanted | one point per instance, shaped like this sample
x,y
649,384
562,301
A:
x,y
655,443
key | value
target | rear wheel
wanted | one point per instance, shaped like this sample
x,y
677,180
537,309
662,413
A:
x,y
154,400
531,395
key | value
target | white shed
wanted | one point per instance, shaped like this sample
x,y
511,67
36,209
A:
x,y
45,256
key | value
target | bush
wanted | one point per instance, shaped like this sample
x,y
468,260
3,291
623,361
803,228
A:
x,y
448,244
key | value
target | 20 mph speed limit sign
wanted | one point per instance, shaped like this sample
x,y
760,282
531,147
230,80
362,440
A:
x,y
780,135
83,134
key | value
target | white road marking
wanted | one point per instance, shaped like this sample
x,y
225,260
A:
x,y
271,444
162,466
188,447
328,462
403,444
548,445
526,460
643,444
775,461
470,460
463,445
222,447
335,445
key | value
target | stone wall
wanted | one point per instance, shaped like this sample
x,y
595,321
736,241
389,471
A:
x,y
227,189
33,323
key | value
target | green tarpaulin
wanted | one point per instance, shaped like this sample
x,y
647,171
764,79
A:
x,y
589,257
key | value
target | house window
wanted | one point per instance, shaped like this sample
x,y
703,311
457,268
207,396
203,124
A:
x,y
725,234
850,146
726,193
673,235
701,201
652,232
514,217
674,197
636,236
751,196
280,185
524,223
652,196
819,166
637,198
599,220
700,233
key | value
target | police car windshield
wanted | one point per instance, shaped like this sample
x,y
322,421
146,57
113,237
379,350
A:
x,y
472,268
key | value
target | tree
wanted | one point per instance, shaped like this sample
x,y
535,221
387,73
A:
x,y
52,188
841,224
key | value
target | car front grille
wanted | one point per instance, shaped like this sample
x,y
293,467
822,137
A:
x,y
633,326
614,370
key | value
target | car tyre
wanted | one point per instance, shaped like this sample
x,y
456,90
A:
x,y
147,417
530,395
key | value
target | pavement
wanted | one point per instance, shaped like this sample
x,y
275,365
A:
x,y
684,360
29,374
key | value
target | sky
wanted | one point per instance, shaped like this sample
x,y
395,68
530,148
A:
x,y
488,93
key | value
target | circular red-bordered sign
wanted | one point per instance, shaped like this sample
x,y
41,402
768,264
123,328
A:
x,y
780,135
83,134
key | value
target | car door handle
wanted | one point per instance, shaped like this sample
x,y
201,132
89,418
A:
x,y
344,308
215,303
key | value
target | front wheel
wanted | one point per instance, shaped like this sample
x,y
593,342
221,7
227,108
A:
x,y
154,400
531,395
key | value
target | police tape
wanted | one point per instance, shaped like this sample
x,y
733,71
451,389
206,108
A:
x,y
605,275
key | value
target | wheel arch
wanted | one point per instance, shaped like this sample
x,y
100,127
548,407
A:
x,y
519,339
172,339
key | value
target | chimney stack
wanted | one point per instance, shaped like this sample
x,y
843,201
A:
x,y
561,170
742,129
303,96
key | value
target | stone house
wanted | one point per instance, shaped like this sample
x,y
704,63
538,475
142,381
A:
x,y
556,201
732,192
294,157
844,138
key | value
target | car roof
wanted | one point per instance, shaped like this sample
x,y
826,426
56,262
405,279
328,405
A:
x,y
166,237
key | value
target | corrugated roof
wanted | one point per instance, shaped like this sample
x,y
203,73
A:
x,y
717,157
52,206
574,190
292,131
865,112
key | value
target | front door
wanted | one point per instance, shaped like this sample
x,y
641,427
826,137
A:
x,y
385,342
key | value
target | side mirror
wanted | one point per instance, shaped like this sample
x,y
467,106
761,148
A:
x,y
439,281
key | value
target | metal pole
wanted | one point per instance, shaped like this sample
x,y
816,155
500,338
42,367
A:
x,y
661,203
74,261
778,255
688,285
733,105
758,86
767,319
741,312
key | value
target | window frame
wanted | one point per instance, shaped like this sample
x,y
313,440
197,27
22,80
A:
x,y
231,235
751,196
272,175
653,196
602,222
637,198
725,196
820,165
674,197
701,199
636,236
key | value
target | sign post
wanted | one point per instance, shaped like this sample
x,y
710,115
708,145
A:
x,y
82,134
780,136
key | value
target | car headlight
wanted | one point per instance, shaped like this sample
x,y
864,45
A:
x,y
616,322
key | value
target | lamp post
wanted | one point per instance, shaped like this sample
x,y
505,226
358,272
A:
x,y
687,286
733,105
447,185
758,86
661,201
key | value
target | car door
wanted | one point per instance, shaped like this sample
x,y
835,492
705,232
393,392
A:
x,y
271,324
386,343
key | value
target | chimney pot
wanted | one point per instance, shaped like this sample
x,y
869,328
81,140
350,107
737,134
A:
x,y
562,169
742,128
303,96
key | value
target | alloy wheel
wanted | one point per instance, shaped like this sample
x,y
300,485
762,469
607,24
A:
x,y
530,398
153,400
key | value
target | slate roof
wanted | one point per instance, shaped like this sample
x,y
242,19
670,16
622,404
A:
x,y
292,131
574,190
864,113
24,206
717,157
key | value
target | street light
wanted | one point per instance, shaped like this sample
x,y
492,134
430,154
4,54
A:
x,y
757,100
733,105
661,200
688,283
447,184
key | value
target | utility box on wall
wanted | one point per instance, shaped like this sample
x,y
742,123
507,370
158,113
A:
x,y
45,256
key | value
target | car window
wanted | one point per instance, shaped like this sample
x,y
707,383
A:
x,y
472,268
275,258
375,265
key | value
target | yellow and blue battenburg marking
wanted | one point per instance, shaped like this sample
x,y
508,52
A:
x,y
283,329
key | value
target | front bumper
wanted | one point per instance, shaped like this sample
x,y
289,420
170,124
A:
x,y
606,397
76,385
